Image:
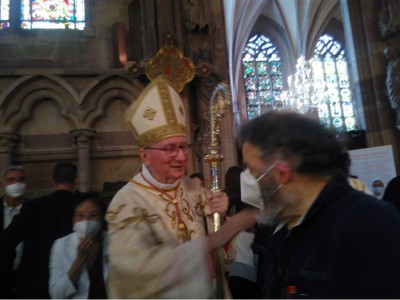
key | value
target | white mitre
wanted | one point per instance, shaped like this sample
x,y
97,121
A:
x,y
157,114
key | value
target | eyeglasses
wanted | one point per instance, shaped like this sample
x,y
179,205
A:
x,y
173,150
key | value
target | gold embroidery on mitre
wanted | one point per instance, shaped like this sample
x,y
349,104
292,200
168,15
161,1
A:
x,y
149,113
167,104
164,131
165,110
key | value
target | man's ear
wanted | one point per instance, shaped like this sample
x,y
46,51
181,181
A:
x,y
284,172
144,155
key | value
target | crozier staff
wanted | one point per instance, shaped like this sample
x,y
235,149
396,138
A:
x,y
158,222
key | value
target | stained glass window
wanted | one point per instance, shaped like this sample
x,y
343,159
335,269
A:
x,y
4,14
44,14
329,67
53,14
262,76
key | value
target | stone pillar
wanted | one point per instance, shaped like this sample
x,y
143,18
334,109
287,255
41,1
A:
x,y
367,69
83,138
7,141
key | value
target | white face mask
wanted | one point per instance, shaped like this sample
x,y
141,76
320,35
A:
x,y
250,191
15,190
378,190
86,228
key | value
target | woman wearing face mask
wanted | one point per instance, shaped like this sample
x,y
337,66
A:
x,y
78,264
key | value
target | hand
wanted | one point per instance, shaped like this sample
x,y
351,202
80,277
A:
x,y
82,256
246,218
218,202
243,220
84,247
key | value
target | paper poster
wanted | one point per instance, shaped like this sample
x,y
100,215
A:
x,y
375,166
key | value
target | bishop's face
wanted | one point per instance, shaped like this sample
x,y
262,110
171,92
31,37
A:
x,y
166,159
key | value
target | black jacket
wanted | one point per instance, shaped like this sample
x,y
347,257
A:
x,y
392,192
347,246
1,214
40,222
10,280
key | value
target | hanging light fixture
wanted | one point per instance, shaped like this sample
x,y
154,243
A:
x,y
306,92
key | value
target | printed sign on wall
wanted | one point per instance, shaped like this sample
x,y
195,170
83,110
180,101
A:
x,y
375,166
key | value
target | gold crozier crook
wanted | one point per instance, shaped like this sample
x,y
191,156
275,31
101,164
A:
x,y
219,105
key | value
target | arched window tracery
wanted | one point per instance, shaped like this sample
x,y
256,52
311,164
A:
x,y
329,64
263,78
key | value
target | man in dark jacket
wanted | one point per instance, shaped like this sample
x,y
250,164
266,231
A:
x,y
13,184
330,241
40,222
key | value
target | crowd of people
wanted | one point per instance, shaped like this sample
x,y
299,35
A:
x,y
294,225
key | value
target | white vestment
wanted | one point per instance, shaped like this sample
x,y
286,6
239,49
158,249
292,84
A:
x,y
150,255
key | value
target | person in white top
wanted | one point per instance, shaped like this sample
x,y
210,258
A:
x,y
78,261
242,272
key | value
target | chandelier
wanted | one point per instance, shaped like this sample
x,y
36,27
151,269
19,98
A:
x,y
307,89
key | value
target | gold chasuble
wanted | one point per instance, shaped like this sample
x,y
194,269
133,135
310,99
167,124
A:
x,y
156,240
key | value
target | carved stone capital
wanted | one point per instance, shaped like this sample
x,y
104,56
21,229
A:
x,y
83,136
7,141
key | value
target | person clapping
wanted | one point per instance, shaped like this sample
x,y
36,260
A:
x,y
78,265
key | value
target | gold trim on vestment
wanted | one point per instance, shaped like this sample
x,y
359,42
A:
x,y
174,214
150,187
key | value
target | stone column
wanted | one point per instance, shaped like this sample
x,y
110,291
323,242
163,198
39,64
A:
x,y
83,138
367,69
7,142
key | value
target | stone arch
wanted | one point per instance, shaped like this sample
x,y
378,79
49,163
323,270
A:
x,y
17,102
330,26
31,103
269,27
97,95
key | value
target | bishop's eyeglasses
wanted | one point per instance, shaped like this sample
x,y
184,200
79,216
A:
x,y
173,150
